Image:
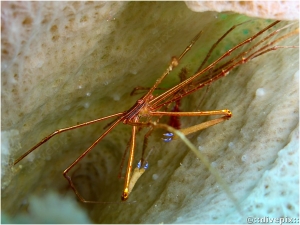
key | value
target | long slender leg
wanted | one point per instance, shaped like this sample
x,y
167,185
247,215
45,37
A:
x,y
217,42
175,121
125,193
227,115
206,91
253,47
123,157
225,112
224,71
174,62
201,126
61,131
65,173
147,135
145,143
157,102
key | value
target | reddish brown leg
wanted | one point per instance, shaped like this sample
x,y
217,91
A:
x,y
145,144
123,158
126,191
65,173
169,136
160,100
61,131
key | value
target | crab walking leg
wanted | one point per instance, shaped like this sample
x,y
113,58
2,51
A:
x,y
189,130
125,193
225,112
65,173
157,101
61,131
145,143
218,42
123,158
201,126
174,63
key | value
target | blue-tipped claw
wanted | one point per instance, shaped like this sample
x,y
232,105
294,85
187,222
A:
x,y
140,164
168,134
169,137
146,166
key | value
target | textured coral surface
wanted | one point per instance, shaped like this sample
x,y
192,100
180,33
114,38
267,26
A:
x,y
64,63
283,10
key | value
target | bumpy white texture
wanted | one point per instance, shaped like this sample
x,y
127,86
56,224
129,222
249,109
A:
x,y
89,71
284,175
67,32
282,10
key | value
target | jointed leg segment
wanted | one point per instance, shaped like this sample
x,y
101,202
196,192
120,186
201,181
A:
x,y
185,87
65,173
225,112
61,131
